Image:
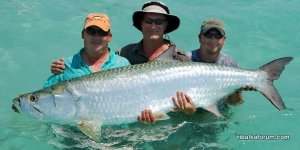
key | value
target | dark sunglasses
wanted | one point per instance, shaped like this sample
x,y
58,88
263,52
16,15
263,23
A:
x,y
210,35
156,21
93,31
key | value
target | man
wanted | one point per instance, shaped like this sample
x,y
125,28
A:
x,y
212,39
154,20
94,56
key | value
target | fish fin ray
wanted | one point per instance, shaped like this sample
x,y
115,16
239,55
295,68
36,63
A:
x,y
160,116
214,109
90,128
271,93
274,69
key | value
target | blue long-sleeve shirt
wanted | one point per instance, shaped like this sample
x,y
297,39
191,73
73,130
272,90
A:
x,y
76,67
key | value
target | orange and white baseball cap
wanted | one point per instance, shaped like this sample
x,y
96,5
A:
x,y
97,19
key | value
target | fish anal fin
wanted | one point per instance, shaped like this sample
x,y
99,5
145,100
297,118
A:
x,y
160,116
213,109
90,128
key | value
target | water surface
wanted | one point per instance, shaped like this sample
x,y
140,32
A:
x,y
33,33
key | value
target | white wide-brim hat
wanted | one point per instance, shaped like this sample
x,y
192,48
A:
x,y
159,8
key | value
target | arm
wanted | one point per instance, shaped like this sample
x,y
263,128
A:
x,y
54,79
183,103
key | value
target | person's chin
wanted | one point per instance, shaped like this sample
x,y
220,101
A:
x,y
155,37
95,48
212,50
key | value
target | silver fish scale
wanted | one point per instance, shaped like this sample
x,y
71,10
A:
x,y
119,95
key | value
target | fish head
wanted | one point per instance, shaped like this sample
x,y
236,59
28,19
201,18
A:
x,y
46,105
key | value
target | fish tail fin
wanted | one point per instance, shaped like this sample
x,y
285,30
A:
x,y
274,69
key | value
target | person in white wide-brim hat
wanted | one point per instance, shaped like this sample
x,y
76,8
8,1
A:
x,y
154,21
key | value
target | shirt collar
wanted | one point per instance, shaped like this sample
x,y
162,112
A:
x,y
108,63
197,58
139,48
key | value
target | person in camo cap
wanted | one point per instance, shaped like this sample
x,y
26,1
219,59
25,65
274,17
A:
x,y
212,38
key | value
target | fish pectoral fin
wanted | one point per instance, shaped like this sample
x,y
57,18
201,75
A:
x,y
213,109
90,128
160,116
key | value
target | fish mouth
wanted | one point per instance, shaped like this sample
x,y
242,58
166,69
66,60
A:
x,y
15,108
16,103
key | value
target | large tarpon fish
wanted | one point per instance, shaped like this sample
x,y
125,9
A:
x,y
119,95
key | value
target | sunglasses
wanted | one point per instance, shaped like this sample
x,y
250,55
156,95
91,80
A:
x,y
155,21
210,35
93,31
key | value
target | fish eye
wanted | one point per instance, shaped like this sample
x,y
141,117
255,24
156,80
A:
x,y
33,98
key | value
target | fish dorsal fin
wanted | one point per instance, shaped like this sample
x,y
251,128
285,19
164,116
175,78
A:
x,y
167,55
214,109
90,128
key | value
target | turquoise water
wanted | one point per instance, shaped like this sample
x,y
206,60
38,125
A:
x,y
33,33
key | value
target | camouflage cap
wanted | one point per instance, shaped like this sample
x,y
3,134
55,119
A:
x,y
212,24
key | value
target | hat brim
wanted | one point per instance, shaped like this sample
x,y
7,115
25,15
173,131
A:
x,y
173,21
214,27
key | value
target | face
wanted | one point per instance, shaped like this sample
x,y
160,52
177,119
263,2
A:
x,y
212,42
153,26
96,39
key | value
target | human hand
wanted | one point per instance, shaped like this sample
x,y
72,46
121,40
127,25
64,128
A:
x,y
146,116
184,103
57,66
237,97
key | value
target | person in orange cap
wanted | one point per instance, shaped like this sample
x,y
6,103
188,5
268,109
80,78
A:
x,y
94,56
154,21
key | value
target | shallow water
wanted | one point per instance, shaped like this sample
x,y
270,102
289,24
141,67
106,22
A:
x,y
33,33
